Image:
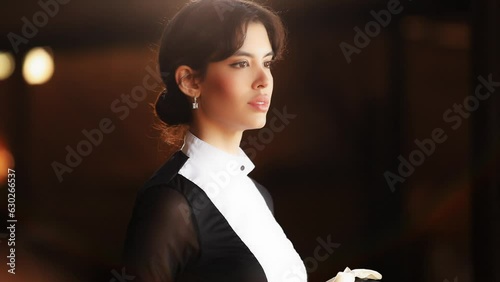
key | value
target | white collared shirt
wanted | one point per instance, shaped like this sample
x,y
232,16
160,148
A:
x,y
224,178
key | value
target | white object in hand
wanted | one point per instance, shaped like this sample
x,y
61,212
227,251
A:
x,y
350,275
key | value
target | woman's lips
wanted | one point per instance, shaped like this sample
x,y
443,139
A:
x,y
260,103
262,106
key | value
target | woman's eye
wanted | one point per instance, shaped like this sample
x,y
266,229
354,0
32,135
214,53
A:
x,y
240,64
244,64
268,64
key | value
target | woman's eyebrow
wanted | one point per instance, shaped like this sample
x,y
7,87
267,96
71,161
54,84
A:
x,y
243,53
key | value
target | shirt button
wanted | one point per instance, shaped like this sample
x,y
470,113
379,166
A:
x,y
242,167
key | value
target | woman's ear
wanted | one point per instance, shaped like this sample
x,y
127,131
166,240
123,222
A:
x,y
187,81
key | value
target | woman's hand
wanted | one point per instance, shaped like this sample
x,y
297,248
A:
x,y
350,275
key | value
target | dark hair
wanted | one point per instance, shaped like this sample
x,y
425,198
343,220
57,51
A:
x,y
205,31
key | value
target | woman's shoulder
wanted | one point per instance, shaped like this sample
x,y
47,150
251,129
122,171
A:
x,y
167,180
165,192
166,173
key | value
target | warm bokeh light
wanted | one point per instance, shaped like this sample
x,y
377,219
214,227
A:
x,y
38,66
7,65
6,162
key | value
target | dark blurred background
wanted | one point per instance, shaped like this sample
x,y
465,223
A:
x,y
333,169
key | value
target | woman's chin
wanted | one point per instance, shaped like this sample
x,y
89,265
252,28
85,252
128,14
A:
x,y
257,125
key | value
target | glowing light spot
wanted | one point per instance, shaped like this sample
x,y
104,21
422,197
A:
x,y
6,162
7,65
38,66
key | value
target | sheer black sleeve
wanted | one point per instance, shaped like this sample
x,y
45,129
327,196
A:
x,y
161,238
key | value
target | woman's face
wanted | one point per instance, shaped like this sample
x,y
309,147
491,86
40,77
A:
x,y
236,92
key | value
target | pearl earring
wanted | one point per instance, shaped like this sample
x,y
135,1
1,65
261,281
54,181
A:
x,y
195,104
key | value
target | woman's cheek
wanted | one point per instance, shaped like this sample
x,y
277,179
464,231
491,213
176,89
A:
x,y
229,79
229,88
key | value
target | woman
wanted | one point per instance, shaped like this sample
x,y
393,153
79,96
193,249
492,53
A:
x,y
201,217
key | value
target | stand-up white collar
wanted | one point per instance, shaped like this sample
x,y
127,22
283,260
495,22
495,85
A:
x,y
214,158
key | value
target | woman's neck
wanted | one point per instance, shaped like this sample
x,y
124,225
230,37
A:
x,y
224,139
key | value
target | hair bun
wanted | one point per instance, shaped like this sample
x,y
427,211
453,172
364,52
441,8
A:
x,y
172,107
